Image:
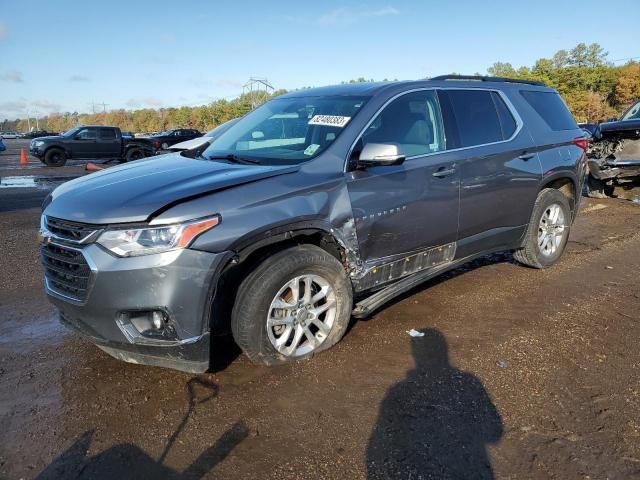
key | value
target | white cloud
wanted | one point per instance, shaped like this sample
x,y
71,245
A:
x,y
168,38
4,30
228,83
79,78
144,102
346,15
12,109
12,76
46,105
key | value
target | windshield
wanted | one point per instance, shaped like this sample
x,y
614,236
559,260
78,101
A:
x,y
220,129
287,130
633,113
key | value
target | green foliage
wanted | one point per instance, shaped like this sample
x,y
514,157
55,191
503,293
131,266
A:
x,y
593,88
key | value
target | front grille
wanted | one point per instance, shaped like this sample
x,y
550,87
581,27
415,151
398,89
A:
x,y
66,271
71,231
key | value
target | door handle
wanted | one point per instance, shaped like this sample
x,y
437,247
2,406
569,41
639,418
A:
x,y
526,156
443,172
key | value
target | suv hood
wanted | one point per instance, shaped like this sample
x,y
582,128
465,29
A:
x,y
49,137
135,191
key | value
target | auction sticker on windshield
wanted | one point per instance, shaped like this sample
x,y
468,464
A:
x,y
329,120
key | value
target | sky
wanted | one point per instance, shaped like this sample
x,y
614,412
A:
x,y
66,55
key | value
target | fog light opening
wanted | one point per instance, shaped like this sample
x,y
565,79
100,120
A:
x,y
150,324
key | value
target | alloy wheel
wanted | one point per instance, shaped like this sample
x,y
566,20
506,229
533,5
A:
x,y
301,315
551,230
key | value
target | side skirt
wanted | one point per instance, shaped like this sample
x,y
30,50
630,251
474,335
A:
x,y
365,307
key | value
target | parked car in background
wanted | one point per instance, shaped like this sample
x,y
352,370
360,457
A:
x,y
9,135
614,153
377,188
89,142
3,147
207,137
164,140
38,134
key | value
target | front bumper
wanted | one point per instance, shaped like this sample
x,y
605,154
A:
x,y
37,152
605,169
180,283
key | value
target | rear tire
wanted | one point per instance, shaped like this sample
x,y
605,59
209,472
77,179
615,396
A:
x,y
164,146
548,230
55,157
134,154
598,188
275,322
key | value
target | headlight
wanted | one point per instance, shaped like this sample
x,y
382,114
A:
x,y
38,143
131,242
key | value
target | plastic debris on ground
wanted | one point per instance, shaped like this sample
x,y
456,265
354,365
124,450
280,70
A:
x,y
415,333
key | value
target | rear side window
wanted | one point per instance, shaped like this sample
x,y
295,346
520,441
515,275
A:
x,y
476,116
551,109
107,134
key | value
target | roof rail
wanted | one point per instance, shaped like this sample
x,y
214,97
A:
x,y
488,79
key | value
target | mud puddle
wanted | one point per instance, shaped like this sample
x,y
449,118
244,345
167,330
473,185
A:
x,y
39,329
33,181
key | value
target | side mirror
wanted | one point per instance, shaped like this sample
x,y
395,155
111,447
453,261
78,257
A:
x,y
374,154
257,135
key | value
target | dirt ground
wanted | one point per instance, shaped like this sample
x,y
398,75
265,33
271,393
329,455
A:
x,y
521,373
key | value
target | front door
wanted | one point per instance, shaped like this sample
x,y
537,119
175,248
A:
x,y
83,144
406,208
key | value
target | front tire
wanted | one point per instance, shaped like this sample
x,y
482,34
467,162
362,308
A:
x,y
548,230
293,305
55,157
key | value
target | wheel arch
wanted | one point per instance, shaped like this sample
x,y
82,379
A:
x,y
57,146
567,185
249,251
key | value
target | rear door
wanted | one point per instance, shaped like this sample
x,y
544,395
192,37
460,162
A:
x,y
410,207
109,143
499,168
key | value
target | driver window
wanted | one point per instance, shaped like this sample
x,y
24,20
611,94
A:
x,y
412,122
633,113
87,134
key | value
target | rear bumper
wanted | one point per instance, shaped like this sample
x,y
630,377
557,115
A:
x,y
179,283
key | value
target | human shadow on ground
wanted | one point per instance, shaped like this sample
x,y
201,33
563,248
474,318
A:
x,y
436,423
127,461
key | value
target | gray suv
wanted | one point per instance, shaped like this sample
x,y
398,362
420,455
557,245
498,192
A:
x,y
320,205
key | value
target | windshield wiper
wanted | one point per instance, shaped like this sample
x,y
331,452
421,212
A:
x,y
232,157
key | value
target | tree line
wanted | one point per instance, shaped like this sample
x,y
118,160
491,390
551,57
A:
x,y
592,86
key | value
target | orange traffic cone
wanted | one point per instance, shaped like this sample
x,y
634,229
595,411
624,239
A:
x,y
92,167
23,157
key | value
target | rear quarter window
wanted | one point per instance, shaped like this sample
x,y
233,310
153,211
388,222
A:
x,y
551,108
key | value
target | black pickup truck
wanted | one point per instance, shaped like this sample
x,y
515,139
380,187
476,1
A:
x,y
89,142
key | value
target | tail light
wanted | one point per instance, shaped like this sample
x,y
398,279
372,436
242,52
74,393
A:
x,y
156,143
581,142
